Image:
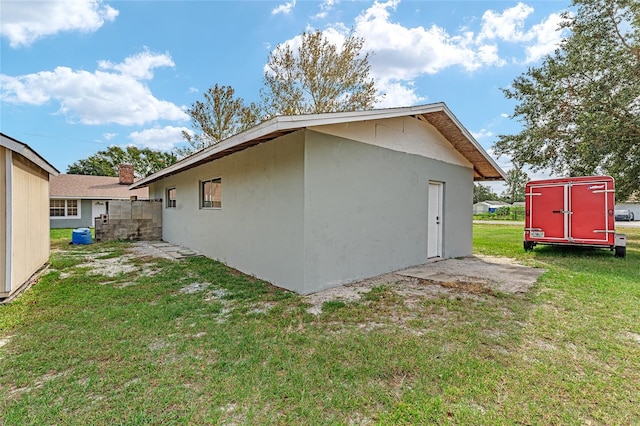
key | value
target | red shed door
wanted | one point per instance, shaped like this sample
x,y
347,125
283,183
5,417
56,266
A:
x,y
589,205
547,218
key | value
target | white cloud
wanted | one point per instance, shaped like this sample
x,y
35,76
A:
x,y
109,136
404,53
139,66
159,138
97,97
25,22
509,26
483,133
285,8
547,38
397,94
325,8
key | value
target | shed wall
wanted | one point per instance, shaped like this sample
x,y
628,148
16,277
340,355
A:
x,y
3,216
480,208
366,210
30,220
259,227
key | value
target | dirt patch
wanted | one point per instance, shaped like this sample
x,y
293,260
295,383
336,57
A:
x,y
468,277
5,340
194,288
100,263
478,274
111,267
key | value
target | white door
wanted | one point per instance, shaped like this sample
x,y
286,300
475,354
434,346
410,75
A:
x,y
97,208
434,229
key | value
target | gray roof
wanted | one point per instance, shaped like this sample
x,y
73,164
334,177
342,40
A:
x,y
437,114
28,153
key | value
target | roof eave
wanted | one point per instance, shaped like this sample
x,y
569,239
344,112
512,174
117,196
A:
x,y
27,152
281,125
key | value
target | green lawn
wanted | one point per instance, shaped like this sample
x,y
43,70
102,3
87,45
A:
x,y
195,342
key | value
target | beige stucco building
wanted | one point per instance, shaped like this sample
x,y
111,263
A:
x,y
317,201
24,214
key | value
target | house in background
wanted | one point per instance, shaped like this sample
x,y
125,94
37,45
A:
x,y
76,200
316,201
24,220
488,206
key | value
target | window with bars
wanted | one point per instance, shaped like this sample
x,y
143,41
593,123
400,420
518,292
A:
x,y
64,208
171,198
211,194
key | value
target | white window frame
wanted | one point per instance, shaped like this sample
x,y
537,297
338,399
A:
x,y
201,194
171,203
66,208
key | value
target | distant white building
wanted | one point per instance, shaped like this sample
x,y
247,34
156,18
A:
x,y
488,206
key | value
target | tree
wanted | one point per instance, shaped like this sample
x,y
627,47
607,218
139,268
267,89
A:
x,y
317,77
483,193
580,109
145,161
516,182
219,116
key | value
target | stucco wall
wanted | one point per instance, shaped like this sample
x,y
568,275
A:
x,y
30,220
3,215
85,220
259,227
402,134
314,210
366,210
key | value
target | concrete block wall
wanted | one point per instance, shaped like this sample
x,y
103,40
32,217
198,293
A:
x,y
139,220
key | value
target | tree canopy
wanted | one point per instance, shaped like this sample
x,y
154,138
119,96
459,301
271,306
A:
x,y
483,193
145,161
580,109
318,76
220,115
516,182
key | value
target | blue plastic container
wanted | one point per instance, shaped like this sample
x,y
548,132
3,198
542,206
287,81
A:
x,y
81,236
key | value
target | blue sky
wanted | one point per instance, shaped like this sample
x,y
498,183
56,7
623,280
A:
x,y
77,76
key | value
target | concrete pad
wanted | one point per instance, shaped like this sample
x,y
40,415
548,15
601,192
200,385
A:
x,y
161,244
499,274
163,249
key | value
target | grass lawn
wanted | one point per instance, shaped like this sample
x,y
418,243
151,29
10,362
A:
x,y
194,342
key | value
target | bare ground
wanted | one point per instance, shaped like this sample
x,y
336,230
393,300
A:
x,y
468,277
471,276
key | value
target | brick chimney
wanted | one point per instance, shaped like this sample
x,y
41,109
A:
x,y
125,173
